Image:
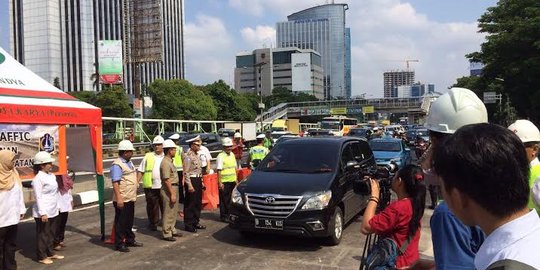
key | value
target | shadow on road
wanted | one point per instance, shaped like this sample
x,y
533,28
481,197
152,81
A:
x,y
267,241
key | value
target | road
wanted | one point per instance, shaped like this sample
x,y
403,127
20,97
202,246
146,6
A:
x,y
217,247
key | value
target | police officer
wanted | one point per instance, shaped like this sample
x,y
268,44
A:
x,y
177,161
257,152
149,172
226,168
169,176
268,141
193,186
124,179
205,157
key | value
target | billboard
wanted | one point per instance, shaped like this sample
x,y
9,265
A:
x,y
368,109
301,72
110,61
27,140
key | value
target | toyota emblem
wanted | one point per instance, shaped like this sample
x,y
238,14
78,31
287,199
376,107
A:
x,y
270,199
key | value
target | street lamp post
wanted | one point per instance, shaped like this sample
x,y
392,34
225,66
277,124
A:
x,y
260,89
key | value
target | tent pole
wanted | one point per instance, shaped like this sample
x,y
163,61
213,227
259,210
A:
x,y
101,200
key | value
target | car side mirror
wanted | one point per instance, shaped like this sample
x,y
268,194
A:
x,y
352,165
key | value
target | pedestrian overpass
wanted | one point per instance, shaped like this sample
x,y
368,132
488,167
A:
x,y
415,108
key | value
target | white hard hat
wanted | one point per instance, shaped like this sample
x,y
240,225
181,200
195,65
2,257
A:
x,y
227,142
175,136
457,108
237,135
261,136
375,128
42,158
525,130
125,145
169,144
158,140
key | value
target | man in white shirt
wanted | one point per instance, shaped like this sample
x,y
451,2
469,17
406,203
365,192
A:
x,y
484,172
149,172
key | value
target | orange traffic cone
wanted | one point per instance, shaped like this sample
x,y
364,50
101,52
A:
x,y
112,237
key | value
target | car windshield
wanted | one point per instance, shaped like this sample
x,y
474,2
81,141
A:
x,y
301,158
332,125
422,132
387,146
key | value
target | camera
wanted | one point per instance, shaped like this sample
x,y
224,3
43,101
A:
x,y
383,174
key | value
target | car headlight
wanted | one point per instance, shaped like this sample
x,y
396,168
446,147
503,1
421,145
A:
x,y
318,201
236,197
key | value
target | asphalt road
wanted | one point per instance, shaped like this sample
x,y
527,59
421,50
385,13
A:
x,y
217,247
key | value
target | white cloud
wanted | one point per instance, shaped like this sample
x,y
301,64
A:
x,y
209,50
384,32
258,37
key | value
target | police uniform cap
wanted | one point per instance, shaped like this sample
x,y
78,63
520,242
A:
x,y
195,140
261,136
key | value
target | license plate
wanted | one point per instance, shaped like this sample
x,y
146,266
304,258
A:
x,y
271,224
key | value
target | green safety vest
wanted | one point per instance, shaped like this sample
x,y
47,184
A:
x,y
149,166
268,143
228,173
258,152
535,172
177,160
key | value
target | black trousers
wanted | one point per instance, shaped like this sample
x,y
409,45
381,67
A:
x,y
154,206
434,191
193,203
181,195
225,199
60,227
8,237
123,223
45,232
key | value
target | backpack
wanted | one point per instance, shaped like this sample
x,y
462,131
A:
x,y
384,253
508,264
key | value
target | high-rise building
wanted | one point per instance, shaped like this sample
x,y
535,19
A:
x,y
322,28
261,70
417,89
392,79
59,39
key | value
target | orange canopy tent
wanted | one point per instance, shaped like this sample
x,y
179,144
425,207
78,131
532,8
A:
x,y
31,107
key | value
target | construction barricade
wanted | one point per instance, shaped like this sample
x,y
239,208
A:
x,y
242,174
210,197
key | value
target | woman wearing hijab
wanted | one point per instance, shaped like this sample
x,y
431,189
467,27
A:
x,y
11,209
45,210
65,204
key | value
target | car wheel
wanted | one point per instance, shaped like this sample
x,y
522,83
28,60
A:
x,y
335,226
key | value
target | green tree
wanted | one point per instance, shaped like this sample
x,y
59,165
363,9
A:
x,y
86,96
56,83
179,99
230,104
511,53
113,102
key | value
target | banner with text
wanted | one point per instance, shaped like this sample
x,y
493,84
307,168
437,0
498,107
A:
x,y
27,140
110,61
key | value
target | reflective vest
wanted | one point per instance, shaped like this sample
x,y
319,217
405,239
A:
x,y
128,184
228,173
535,173
177,160
149,166
258,152
268,143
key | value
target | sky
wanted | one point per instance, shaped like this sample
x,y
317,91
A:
x,y
438,33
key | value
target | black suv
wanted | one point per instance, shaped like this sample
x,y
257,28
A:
x,y
304,187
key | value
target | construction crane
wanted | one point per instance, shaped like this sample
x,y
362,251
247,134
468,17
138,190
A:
x,y
407,61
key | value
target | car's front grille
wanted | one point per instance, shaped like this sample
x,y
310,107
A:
x,y
272,205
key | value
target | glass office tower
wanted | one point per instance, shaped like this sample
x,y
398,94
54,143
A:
x,y
322,28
